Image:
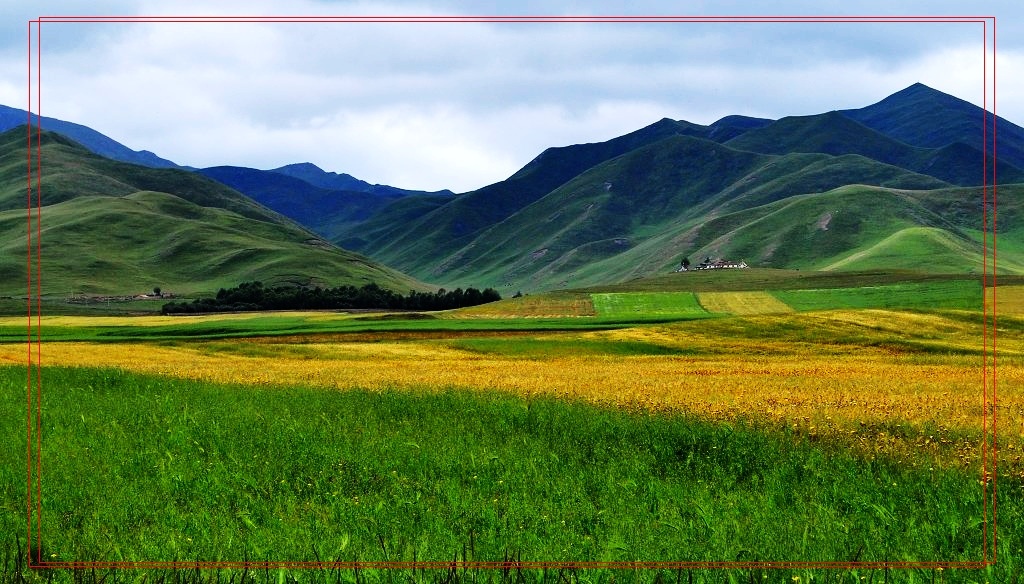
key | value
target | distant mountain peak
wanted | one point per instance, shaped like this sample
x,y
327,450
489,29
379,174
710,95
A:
x,y
926,117
919,93
303,166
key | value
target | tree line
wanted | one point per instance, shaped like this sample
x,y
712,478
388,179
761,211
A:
x,y
255,296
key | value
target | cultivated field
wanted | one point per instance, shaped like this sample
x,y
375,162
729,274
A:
x,y
731,426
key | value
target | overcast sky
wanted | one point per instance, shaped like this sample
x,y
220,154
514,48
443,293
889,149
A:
x,y
459,106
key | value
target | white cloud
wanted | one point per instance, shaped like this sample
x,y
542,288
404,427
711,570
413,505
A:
x,y
461,105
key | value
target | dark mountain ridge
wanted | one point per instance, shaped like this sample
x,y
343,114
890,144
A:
x,y
928,118
334,181
96,142
325,211
834,133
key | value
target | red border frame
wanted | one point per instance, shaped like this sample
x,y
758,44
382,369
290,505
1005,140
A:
x,y
34,470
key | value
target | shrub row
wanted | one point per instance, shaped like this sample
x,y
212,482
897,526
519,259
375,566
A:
x,y
256,296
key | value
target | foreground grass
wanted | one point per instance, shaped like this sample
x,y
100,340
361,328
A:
x,y
142,467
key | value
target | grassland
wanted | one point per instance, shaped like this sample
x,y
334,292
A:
x,y
549,305
822,435
959,294
759,279
640,305
384,476
962,294
742,303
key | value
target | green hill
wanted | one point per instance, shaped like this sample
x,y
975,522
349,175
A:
x,y
637,214
115,228
445,229
850,228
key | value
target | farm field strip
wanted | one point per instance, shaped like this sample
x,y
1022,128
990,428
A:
x,y
530,306
742,303
1009,299
155,320
647,304
962,294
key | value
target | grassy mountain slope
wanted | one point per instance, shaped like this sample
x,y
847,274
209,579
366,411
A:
x,y
836,134
69,171
861,227
632,215
599,212
914,246
115,228
849,228
392,221
446,229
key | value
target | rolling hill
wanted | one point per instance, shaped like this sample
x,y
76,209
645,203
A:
x,y
110,227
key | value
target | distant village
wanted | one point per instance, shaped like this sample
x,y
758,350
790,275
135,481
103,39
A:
x,y
81,298
709,264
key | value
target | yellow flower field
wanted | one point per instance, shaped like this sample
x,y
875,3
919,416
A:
x,y
838,374
862,399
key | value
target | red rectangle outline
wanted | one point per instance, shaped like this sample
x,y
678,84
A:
x,y
33,268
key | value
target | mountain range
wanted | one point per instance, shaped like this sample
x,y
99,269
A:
x,y
853,189
894,185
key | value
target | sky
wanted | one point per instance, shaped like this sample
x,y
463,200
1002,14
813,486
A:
x,y
458,106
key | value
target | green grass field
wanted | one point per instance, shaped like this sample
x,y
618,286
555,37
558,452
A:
x,y
641,305
963,294
147,468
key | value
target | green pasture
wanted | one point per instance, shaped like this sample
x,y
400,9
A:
x,y
961,294
642,305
